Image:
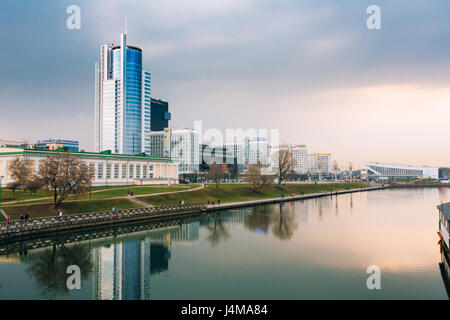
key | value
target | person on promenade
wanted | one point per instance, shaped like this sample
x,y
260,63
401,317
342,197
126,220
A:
x,y
21,218
8,219
218,201
114,209
26,217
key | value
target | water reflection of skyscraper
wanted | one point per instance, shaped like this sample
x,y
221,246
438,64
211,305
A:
x,y
123,269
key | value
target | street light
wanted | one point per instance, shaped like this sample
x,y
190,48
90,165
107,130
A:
x,y
1,178
90,196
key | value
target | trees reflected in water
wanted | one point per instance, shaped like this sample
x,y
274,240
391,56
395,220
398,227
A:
x,y
279,219
217,231
49,267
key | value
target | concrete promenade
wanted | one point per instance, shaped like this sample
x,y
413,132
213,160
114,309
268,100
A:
x,y
231,205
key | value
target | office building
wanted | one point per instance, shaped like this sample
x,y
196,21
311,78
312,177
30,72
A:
x,y
219,155
299,159
16,144
319,163
393,170
160,115
57,144
122,100
258,152
238,152
182,145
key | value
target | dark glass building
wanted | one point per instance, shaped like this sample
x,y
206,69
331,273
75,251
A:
x,y
160,115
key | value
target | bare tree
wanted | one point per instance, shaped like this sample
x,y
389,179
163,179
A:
x,y
283,161
13,186
350,169
319,168
64,175
34,184
256,178
335,167
216,174
20,171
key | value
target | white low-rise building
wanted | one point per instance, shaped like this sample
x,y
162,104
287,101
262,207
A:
x,y
394,170
108,169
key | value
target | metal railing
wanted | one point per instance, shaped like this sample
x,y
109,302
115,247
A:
x,y
73,221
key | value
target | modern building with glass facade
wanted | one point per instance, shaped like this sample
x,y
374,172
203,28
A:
x,y
160,115
55,144
122,100
392,170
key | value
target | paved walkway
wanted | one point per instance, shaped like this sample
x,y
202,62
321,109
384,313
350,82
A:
x,y
22,202
140,202
4,214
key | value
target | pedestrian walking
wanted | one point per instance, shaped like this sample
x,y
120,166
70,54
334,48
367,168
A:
x,y
8,219
26,217
21,218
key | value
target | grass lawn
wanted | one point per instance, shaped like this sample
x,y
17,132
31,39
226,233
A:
x,y
226,193
98,193
241,192
46,209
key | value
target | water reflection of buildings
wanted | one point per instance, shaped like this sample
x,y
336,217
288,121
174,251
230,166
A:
x,y
123,269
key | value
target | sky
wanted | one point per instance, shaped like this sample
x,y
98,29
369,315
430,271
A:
x,y
311,69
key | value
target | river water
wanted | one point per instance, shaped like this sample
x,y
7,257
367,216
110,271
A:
x,y
312,249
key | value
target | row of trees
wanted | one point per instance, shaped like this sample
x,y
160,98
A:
x,y
60,175
254,176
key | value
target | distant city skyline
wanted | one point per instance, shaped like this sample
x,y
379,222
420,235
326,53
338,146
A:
x,y
312,70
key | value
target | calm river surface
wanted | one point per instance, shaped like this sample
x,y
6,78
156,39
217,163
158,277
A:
x,y
313,249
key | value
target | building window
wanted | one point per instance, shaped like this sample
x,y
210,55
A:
x,y
116,171
130,173
108,171
144,172
138,171
92,169
100,171
124,171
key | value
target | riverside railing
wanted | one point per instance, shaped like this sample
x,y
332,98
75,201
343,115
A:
x,y
18,229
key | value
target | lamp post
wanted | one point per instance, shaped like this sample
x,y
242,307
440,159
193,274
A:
x,y
90,196
1,181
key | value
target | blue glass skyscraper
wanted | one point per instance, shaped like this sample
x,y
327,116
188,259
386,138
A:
x,y
122,100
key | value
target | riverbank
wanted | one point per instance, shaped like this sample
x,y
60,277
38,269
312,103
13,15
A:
x,y
18,231
226,193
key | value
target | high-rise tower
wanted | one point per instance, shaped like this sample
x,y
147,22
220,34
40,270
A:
x,y
122,100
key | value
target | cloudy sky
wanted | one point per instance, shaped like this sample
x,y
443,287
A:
x,y
310,68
